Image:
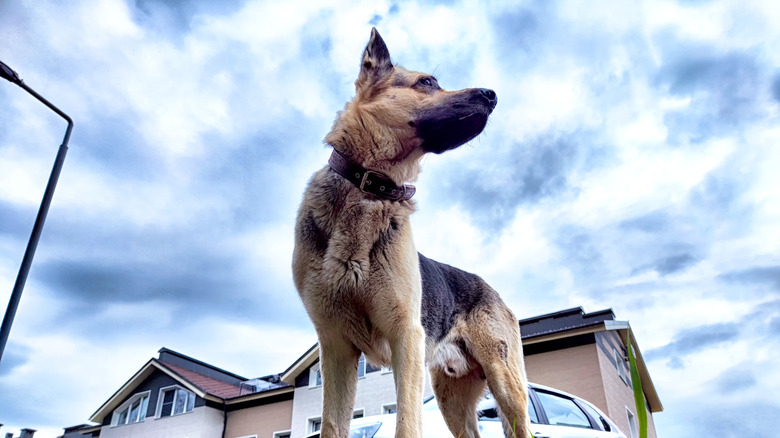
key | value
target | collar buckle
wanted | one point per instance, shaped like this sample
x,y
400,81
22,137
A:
x,y
366,181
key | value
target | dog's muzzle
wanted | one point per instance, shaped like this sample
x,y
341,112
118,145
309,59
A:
x,y
490,96
456,120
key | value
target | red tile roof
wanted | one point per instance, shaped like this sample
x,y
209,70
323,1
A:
x,y
207,384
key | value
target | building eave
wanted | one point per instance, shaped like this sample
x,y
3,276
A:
x,y
129,387
597,327
123,392
648,387
301,364
90,429
260,395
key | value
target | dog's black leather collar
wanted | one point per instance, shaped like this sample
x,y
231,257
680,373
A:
x,y
370,181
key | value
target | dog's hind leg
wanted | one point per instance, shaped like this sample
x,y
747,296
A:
x,y
457,398
339,360
495,344
511,394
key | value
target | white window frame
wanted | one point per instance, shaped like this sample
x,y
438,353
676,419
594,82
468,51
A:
x,y
632,428
160,398
361,368
387,406
620,363
310,422
127,404
314,370
279,433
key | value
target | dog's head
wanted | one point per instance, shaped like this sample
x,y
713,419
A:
x,y
399,115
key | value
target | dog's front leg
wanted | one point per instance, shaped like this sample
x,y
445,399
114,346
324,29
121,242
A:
x,y
339,361
398,318
408,350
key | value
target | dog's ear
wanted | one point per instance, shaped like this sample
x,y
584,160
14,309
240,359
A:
x,y
376,64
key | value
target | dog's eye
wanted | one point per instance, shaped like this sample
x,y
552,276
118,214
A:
x,y
426,81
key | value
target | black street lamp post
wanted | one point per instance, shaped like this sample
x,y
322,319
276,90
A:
x,y
7,73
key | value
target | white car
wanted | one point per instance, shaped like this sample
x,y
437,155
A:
x,y
553,413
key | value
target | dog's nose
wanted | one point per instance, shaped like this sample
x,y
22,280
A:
x,y
490,95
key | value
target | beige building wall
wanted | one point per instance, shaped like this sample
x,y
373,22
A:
x,y
202,422
574,370
373,392
308,404
260,421
620,396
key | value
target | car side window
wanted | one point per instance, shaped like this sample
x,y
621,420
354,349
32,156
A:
x,y
563,411
532,411
596,416
491,414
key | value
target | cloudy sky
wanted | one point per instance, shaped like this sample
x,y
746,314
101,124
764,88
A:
x,y
632,163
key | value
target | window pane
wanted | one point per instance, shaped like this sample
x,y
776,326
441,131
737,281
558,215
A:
x,y
190,402
532,411
167,405
144,407
135,408
562,411
122,417
596,416
315,377
181,401
362,366
631,424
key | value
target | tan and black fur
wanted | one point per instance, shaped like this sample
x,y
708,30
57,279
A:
x,y
365,287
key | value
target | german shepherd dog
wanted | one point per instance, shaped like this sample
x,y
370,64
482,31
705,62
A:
x,y
363,284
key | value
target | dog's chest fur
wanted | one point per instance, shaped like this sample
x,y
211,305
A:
x,y
350,247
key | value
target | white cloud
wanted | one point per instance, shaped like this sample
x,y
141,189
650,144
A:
x,y
189,131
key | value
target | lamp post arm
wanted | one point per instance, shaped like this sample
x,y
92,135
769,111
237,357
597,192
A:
x,y
16,295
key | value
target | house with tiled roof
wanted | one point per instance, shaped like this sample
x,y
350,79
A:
x,y
177,396
216,402
577,352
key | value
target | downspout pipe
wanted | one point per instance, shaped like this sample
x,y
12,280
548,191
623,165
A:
x,y
224,418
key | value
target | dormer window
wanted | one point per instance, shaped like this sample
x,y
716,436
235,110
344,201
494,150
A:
x,y
315,372
132,411
315,376
174,401
361,367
